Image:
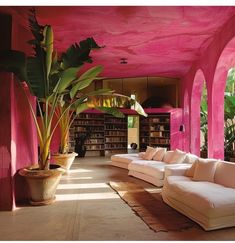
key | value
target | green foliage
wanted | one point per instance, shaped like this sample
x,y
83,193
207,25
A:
x,y
203,116
229,113
77,55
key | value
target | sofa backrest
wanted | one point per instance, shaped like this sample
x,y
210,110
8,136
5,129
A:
x,y
225,174
190,158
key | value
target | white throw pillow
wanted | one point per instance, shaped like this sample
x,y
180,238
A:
x,y
177,157
190,158
159,154
167,156
205,170
150,152
190,171
224,174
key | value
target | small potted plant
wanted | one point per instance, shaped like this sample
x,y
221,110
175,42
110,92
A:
x,y
64,115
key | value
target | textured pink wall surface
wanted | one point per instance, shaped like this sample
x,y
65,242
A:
x,y
195,112
18,146
24,138
18,143
6,183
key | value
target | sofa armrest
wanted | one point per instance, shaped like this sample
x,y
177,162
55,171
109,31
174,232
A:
x,y
176,170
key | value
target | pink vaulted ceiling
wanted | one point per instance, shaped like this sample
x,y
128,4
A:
x,y
157,41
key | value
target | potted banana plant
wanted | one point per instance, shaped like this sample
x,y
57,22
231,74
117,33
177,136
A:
x,y
48,83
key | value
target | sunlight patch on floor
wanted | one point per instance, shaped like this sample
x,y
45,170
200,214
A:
x,y
86,196
79,171
82,186
77,178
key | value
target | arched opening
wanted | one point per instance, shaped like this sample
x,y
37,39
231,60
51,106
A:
x,y
195,118
216,113
229,116
203,122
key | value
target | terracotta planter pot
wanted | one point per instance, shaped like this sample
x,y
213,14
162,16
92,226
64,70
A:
x,y
42,183
64,160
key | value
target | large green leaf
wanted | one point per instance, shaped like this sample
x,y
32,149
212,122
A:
x,y
77,55
204,105
111,110
67,76
81,107
37,65
15,62
138,108
36,79
85,79
48,47
229,107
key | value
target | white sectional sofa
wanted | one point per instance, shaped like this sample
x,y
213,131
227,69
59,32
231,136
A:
x,y
151,168
205,192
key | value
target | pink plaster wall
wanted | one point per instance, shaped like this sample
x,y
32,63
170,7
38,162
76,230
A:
x,y
195,111
210,62
18,146
24,138
6,195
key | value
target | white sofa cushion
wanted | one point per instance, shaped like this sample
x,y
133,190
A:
x,y
205,170
167,156
190,158
149,167
225,174
150,152
209,199
190,171
176,157
159,154
125,158
176,169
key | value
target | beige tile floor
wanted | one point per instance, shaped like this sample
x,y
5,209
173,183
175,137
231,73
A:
x,y
87,209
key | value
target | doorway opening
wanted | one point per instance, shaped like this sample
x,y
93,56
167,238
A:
x,y
203,122
133,134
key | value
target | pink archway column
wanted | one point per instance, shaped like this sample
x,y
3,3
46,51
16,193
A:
x,y
195,112
216,114
185,135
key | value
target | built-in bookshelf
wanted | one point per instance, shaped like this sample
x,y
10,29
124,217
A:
x,y
115,134
109,134
155,131
92,123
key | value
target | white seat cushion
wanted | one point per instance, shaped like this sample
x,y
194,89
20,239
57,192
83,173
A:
x,y
124,158
149,167
209,199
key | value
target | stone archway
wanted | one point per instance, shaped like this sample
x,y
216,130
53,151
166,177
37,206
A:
x,y
216,101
